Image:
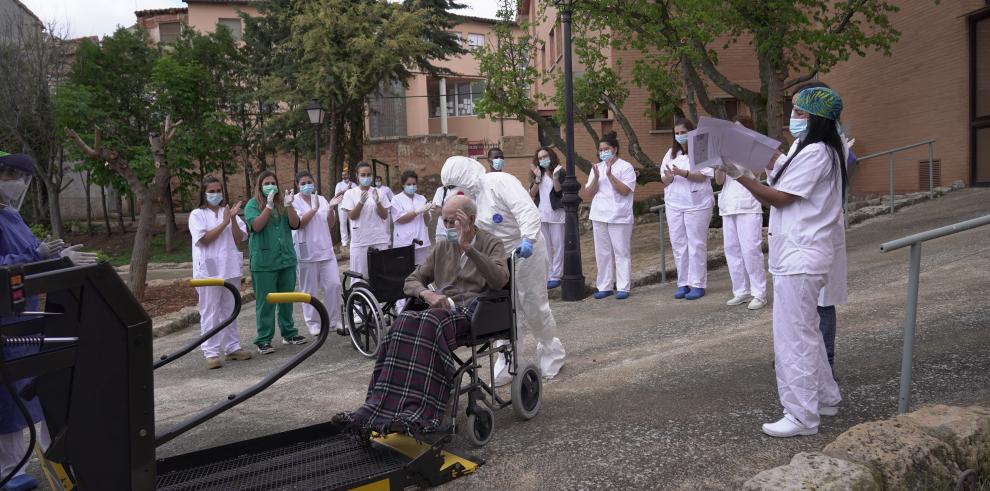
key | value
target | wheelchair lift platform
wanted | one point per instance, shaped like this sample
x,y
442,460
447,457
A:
x,y
95,386
314,459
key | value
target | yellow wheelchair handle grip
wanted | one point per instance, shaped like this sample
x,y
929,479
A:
x,y
290,297
206,282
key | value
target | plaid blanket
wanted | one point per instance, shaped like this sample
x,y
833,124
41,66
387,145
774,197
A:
x,y
413,377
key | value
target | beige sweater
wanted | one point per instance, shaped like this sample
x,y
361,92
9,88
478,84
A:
x,y
462,276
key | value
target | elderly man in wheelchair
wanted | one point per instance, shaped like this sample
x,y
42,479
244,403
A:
x,y
417,376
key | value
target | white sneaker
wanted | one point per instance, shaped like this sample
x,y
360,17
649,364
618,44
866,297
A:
x,y
551,358
828,410
738,300
787,427
757,304
314,332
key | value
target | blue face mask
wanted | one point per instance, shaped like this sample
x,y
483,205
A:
x,y
605,155
682,138
497,164
798,128
214,199
365,181
307,189
545,163
452,236
410,189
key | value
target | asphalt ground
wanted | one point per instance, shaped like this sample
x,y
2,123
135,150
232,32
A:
x,y
657,392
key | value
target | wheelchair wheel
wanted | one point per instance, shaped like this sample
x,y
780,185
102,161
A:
x,y
365,321
527,392
480,425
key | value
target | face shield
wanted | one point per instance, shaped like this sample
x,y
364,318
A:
x,y
15,178
462,175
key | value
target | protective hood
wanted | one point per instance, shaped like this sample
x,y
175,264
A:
x,y
465,173
16,171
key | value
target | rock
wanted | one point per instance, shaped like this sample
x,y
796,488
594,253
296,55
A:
x,y
175,321
815,471
958,185
901,453
965,429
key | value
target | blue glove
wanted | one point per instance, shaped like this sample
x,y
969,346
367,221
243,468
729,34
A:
x,y
525,249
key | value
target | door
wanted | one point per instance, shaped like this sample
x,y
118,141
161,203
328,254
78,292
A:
x,y
980,100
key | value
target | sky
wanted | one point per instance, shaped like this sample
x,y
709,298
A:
x,y
101,17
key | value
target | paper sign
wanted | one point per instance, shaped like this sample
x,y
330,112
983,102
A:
x,y
716,140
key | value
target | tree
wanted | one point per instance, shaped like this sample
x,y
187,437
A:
x,y
32,62
134,100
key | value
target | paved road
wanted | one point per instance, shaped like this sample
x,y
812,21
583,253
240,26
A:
x,y
660,393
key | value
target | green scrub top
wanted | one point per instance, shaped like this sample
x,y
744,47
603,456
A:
x,y
271,249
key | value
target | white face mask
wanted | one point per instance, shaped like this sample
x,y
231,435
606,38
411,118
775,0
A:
x,y
11,192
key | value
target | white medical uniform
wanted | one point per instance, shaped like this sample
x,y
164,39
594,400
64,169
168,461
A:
x,y
742,234
688,206
342,220
801,239
218,259
385,191
506,211
612,223
403,234
317,264
552,227
368,231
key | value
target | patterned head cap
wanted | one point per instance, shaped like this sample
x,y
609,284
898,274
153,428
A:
x,y
819,101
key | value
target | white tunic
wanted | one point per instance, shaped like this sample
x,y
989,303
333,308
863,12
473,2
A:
x,y
220,258
736,199
313,242
415,229
369,228
343,186
683,194
608,205
547,213
801,234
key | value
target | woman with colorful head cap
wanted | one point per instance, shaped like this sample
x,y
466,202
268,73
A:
x,y
805,199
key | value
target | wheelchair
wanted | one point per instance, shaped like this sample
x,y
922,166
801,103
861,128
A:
x,y
494,332
369,305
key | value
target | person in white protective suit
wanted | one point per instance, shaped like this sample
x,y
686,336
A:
x,y
805,199
506,211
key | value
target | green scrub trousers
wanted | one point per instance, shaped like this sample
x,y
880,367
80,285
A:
x,y
273,269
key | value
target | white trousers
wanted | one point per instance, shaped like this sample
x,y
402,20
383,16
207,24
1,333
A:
x,y
533,308
612,255
743,238
14,445
215,305
553,234
317,276
359,257
689,241
345,227
804,379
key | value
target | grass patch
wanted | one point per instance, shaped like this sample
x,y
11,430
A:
x,y
181,251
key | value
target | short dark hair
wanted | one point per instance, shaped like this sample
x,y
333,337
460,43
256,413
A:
x,y
495,149
360,165
810,85
406,175
301,174
612,139
745,121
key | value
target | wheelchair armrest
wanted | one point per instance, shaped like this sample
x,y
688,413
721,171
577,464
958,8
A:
x,y
415,304
494,295
351,274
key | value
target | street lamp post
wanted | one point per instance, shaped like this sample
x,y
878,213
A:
x,y
573,280
316,113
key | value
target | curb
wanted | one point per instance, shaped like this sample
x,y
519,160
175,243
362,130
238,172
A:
x,y
185,317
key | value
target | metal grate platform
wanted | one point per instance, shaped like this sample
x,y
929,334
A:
x,y
330,463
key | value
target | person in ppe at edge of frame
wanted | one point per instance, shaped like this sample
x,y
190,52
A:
x,y
338,192
18,246
506,211
216,229
688,202
314,251
805,199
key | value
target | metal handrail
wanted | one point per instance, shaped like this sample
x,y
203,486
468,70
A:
x,y
890,153
911,307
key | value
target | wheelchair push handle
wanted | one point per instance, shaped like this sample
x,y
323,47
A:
x,y
235,399
206,283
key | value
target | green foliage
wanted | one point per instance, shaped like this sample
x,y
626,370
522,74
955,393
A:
x,y
505,65
40,230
